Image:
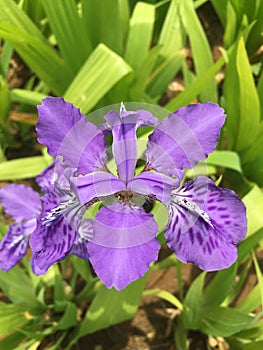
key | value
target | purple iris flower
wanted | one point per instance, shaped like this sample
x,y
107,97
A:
x,y
205,222
23,204
29,210
59,228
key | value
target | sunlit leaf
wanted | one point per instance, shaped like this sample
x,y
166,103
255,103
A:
x,y
110,306
254,204
141,26
200,48
102,70
11,318
22,168
221,321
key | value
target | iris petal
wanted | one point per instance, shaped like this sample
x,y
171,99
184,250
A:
x,y
20,201
124,145
53,239
119,261
97,185
14,245
153,184
185,137
80,142
205,224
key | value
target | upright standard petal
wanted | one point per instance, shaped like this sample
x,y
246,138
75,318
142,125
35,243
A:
x,y
185,137
205,224
80,142
152,184
124,145
95,186
20,201
123,258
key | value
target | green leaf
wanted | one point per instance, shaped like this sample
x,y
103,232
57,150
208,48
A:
x,y
111,306
11,341
192,316
220,8
221,321
13,15
11,283
260,91
5,58
246,246
231,25
255,345
218,289
22,168
70,32
249,101
164,73
39,56
141,26
26,96
200,48
243,107
3,229
226,159
69,319
172,36
167,296
106,22
102,70
259,276
4,101
254,204
11,318
137,89
195,88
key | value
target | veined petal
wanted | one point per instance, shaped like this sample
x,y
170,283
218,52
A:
x,y
20,201
55,233
113,252
45,178
80,142
84,235
96,185
14,245
185,137
153,184
122,226
124,145
205,224
119,267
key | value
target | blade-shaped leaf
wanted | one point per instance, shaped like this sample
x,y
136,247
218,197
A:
x,y
227,159
110,306
70,32
141,26
102,70
172,37
39,56
201,51
106,22
254,205
11,318
22,168
221,321
195,88
193,302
